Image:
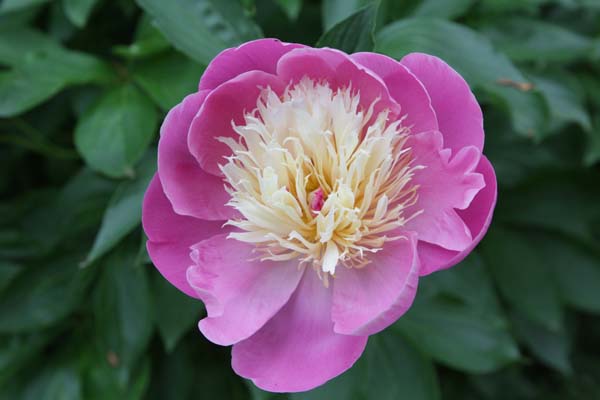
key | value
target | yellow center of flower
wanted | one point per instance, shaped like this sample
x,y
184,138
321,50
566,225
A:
x,y
318,178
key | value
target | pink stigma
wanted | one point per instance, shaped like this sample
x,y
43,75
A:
x,y
317,200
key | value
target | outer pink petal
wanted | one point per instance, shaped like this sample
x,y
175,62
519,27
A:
x,y
445,184
405,88
477,217
190,189
298,350
240,292
171,235
369,299
226,104
257,55
339,70
458,113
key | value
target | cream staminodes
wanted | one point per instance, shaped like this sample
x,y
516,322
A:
x,y
318,178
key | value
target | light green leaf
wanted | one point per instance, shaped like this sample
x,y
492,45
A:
x,y
42,71
175,312
448,9
78,11
202,28
335,11
291,7
8,6
354,33
528,39
124,211
456,320
475,59
167,78
114,133
16,43
523,278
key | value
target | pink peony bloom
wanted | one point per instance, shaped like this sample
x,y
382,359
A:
x,y
301,193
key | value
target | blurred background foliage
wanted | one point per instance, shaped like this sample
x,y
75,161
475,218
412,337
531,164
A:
x,y
84,85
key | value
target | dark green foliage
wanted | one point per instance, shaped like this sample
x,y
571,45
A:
x,y
84,85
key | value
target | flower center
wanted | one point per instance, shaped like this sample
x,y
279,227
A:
x,y
318,178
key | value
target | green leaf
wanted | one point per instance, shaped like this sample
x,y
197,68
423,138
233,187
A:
x,y
17,350
565,103
175,313
78,11
528,39
8,6
523,278
291,7
52,218
550,347
576,269
124,212
47,293
475,59
148,41
16,43
335,11
397,370
196,369
122,306
448,9
592,151
113,134
54,382
354,33
8,272
258,394
456,320
105,379
540,202
390,368
42,73
167,78
202,28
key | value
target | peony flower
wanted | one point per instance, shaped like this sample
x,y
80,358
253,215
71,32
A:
x,y
302,192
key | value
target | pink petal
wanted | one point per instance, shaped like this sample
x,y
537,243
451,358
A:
x,y
229,102
458,113
257,55
171,235
445,184
339,70
405,88
477,217
240,292
369,299
298,350
190,189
